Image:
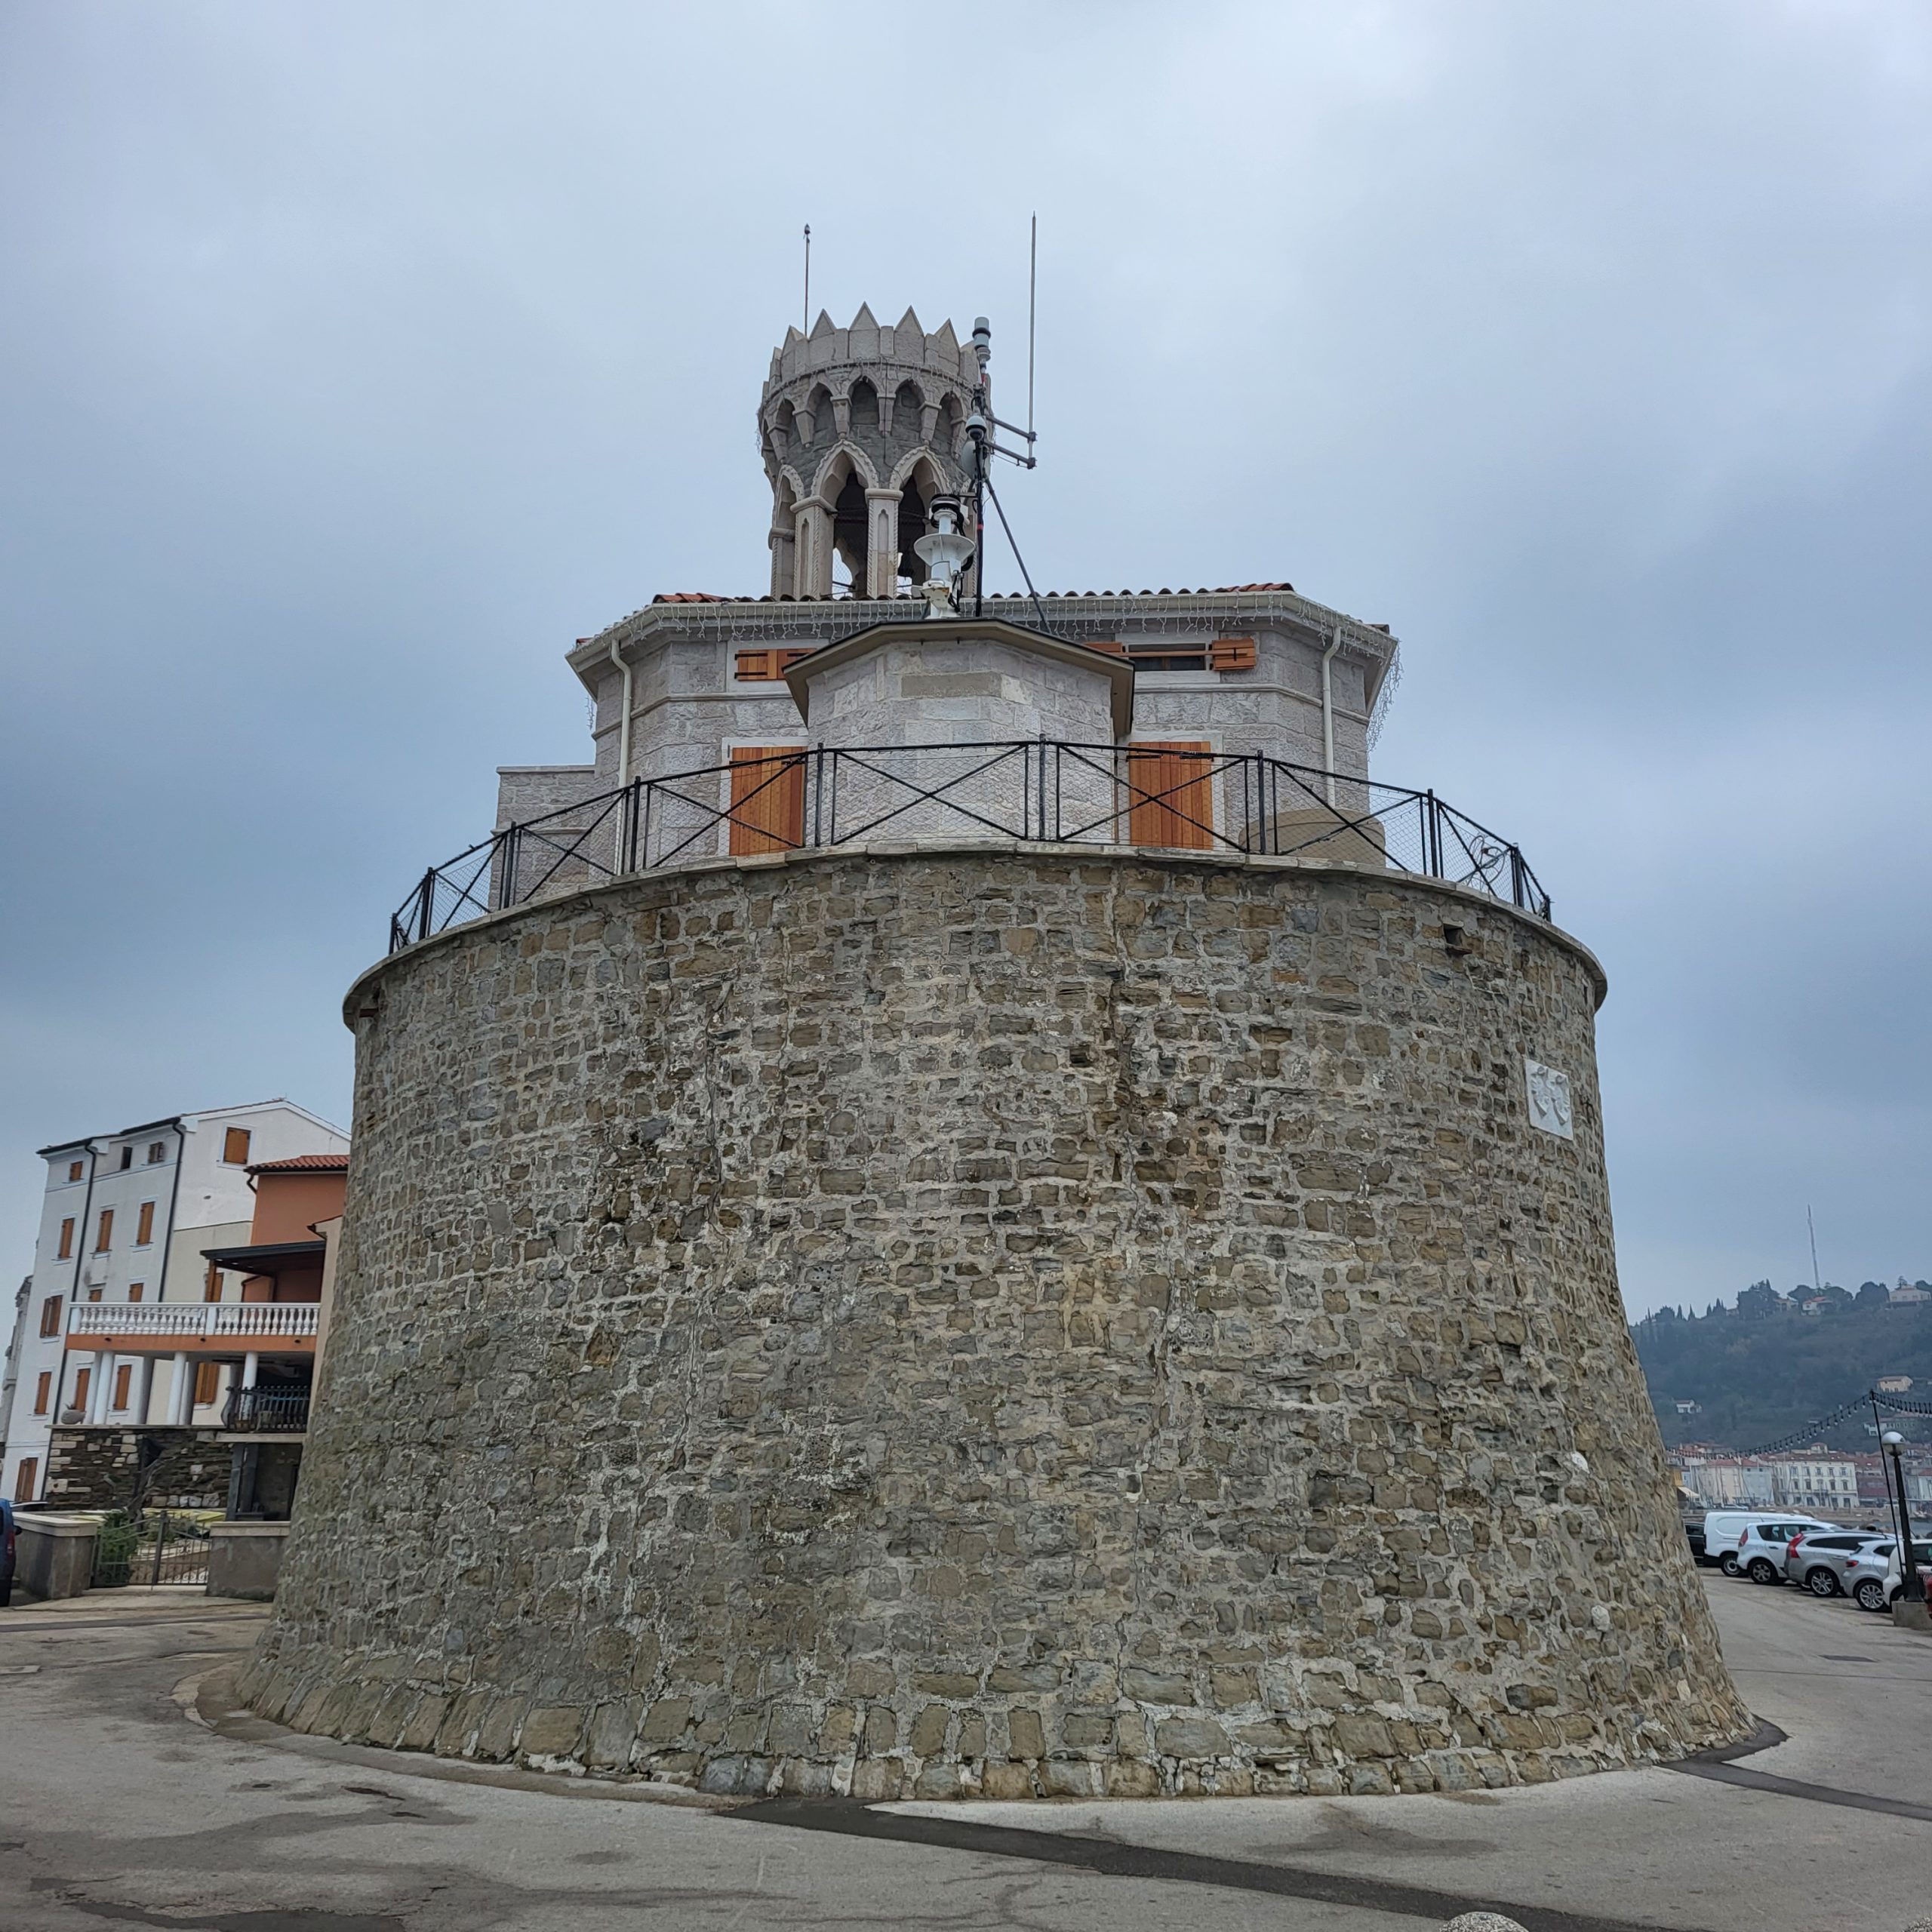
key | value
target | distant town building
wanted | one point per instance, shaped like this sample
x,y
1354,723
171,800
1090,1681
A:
x,y
124,1222
1911,1291
1720,1484
1688,1408
1893,1385
1820,1483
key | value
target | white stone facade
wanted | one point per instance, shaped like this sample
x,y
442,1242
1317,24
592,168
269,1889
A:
x,y
169,1190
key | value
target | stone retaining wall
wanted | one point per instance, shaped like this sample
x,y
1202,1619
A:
x,y
1005,1323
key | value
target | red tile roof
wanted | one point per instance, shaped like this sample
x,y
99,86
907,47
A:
x,y
327,1163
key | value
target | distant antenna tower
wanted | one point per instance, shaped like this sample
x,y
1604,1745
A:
x,y
1811,1228
808,279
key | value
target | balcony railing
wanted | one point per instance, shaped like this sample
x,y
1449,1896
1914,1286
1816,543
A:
x,y
1035,791
266,1411
245,1321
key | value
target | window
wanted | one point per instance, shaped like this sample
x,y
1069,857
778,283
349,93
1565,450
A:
x,y
144,1224
157,1152
67,1239
25,1478
73,1170
767,799
137,1289
93,1294
123,1378
50,1316
207,1378
103,1238
1171,796
126,1157
235,1146
211,1286
1168,655
81,1381
43,1392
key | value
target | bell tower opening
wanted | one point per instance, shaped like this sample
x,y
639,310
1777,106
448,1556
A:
x,y
848,530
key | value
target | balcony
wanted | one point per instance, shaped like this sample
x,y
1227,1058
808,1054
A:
x,y
160,1327
265,1411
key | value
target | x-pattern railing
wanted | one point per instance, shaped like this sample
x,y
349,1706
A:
x,y
1033,790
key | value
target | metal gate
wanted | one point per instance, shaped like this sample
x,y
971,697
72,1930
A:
x,y
154,1546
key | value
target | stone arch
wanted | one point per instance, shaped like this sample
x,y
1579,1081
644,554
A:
x,y
814,413
862,417
842,459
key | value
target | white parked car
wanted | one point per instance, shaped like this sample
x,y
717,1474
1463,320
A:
x,y
1876,1592
1751,1543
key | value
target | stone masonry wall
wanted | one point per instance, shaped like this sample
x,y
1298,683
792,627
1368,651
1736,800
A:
x,y
103,1469
1003,1324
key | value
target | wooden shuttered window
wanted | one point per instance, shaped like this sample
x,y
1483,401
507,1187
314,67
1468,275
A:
x,y
82,1378
124,1377
104,1236
67,1239
43,1392
1170,800
136,1290
144,1224
211,1283
25,1477
767,799
235,1146
207,1380
50,1316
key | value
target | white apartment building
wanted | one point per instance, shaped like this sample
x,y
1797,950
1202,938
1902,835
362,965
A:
x,y
125,1219
1826,1483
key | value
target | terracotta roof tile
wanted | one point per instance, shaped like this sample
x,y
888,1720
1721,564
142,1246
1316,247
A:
x,y
337,1163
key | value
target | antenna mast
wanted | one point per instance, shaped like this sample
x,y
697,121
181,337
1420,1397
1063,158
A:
x,y
808,277
1811,1228
1033,291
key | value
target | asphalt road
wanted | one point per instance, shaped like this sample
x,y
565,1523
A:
x,y
120,1808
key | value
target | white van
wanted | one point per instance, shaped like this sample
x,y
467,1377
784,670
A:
x,y
1735,1539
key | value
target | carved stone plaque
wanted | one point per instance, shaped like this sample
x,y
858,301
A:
x,y
1549,1100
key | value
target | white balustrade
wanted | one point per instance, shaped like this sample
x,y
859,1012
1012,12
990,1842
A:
x,y
212,1320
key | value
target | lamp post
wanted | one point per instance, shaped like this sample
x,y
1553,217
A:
x,y
1914,1589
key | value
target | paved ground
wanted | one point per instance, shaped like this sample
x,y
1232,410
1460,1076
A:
x,y
117,1808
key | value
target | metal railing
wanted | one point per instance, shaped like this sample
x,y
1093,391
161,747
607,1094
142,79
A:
x,y
266,1411
1035,791
210,1320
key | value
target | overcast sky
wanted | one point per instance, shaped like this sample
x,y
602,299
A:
x,y
356,356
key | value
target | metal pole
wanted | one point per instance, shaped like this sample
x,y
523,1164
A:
x,y
1914,1588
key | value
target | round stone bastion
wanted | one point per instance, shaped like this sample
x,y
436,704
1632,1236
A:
x,y
1013,1320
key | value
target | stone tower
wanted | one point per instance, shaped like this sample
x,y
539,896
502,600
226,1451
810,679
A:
x,y
861,428
974,1207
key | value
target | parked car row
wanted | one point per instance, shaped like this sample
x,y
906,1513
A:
x,y
1825,1559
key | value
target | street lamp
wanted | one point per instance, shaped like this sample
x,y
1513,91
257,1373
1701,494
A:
x,y
1914,1589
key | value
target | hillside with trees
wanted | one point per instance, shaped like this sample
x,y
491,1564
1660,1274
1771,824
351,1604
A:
x,y
1774,1362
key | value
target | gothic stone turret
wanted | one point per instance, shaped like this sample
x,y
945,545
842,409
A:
x,y
860,429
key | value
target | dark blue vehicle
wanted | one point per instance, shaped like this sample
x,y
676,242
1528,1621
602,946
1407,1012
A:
x,y
7,1553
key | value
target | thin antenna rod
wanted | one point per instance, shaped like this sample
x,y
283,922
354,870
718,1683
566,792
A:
x,y
808,277
1817,1284
1033,291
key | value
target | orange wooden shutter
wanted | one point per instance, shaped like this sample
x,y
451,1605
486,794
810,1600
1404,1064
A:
x,y
767,799
137,1290
104,1238
1172,800
211,1284
67,1240
50,1316
81,1381
123,1376
25,1477
1232,653
205,1372
235,1146
43,1392
144,1227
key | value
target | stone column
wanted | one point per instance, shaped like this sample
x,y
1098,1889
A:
x,y
881,543
180,1391
814,548
103,1365
784,558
